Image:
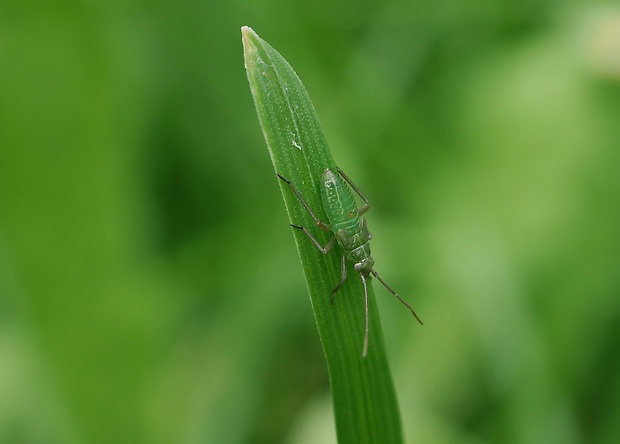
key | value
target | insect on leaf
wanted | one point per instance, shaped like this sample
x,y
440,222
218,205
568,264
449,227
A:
x,y
364,400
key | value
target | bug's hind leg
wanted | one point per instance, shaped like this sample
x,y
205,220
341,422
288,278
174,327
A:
x,y
343,277
366,206
318,221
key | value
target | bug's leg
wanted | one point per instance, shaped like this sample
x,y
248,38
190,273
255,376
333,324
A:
x,y
343,277
365,227
321,224
365,349
366,206
328,246
391,290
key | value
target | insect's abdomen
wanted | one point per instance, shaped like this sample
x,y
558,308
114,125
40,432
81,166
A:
x,y
338,202
348,227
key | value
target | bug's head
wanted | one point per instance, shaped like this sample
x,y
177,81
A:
x,y
364,266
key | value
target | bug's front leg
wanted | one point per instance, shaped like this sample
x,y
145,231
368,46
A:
x,y
343,277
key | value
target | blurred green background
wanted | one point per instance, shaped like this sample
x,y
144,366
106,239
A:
x,y
150,291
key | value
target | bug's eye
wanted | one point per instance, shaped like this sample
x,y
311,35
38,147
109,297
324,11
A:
x,y
358,267
351,214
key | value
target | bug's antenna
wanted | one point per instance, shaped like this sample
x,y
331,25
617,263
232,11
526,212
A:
x,y
366,303
374,273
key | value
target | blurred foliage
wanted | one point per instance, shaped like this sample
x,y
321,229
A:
x,y
149,286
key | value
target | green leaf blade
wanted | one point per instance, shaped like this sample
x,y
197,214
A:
x,y
365,406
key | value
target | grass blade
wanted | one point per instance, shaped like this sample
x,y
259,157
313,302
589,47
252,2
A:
x,y
365,406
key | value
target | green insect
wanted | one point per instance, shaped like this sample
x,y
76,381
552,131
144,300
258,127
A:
x,y
350,231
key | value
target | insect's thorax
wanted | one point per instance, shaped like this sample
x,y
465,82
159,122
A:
x,y
356,244
348,226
